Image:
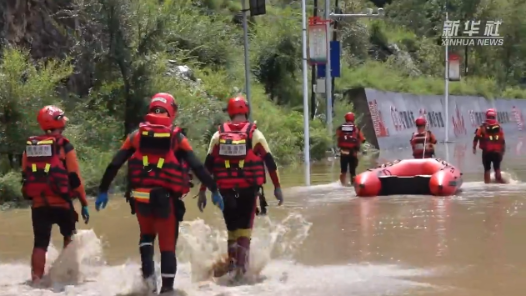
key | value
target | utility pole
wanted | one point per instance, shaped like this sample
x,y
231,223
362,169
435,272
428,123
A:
x,y
306,123
334,38
446,85
256,7
328,80
313,75
329,16
247,57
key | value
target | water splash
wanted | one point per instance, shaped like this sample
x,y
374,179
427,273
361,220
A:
x,y
512,183
81,260
81,269
81,264
201,246
507,177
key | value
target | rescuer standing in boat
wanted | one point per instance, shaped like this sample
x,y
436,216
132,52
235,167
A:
x,y
156,155
490,137
237,156
50,179
350,140
423,141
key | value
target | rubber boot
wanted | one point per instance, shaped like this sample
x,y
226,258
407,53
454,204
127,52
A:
x,y
487,177
147,264
232,255
168,270
229,264
243,254
38,263
498,177
343,179
166,290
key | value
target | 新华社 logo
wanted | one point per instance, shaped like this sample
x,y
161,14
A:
x,y
472,33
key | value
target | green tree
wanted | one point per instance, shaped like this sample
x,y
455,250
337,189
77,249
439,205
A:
x,y
25,87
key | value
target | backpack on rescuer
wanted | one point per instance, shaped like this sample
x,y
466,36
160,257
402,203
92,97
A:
x,y
493,139
348,138
237,166
45,172
154,164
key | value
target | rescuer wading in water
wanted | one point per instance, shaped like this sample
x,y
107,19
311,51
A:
x,y
237,156
51,179
158,155
423,141
350,140
490,138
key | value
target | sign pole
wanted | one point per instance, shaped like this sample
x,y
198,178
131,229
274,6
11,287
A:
x,y
247,57
328,73
446,88
306,127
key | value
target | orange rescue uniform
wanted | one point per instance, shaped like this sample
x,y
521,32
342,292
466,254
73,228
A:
x,y
68,156
350,137
423,144
51,180
238,164
490,138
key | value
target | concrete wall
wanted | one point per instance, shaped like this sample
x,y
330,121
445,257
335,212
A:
x,y
388,120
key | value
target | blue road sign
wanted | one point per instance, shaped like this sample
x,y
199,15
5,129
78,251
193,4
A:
x,y
335,61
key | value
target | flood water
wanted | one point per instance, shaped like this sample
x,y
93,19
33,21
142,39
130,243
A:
x,y
323,241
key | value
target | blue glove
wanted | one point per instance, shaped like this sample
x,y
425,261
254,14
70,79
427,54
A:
x,y
217,199
102,200
85,214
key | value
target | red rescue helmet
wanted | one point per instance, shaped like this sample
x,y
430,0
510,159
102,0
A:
x,y
51,118
237,106
163,103
420,121
349,117
491,114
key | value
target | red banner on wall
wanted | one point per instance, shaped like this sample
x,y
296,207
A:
x,y
378,123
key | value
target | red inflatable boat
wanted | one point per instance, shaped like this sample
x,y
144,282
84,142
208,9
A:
x,y
428,176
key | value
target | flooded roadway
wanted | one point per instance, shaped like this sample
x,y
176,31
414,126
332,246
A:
x,y
324,241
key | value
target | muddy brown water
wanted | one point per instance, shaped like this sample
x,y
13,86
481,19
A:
x,y
472,244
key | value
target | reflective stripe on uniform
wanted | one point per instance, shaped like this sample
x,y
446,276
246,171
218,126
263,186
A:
x,y
46,168
157,135
168,275
145,162
141,196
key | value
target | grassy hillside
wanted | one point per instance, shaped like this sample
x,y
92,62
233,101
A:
x,y
105,57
